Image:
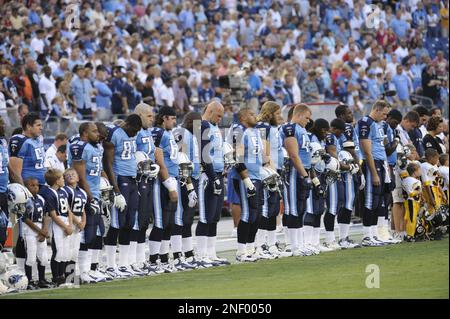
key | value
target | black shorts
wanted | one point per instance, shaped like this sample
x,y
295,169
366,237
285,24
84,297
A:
x,y
188,212
145,209
129,189
251,207
163,209
271,206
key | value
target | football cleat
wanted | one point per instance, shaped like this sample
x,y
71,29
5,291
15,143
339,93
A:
x,y
219,261
44,284
260,253
314,250
323,249
33,285
181,265
369,242
125,272
244,258
331,245
154,269
376,239
274,251
86,278
96,276
101,274
168,267
136,270
347,243
201,263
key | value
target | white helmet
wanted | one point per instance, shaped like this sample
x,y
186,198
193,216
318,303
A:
x,y
106,189
400,149
185,165
228,154
270,179
345,157
19,199
145,166
316,152
412,187
332,173
15,279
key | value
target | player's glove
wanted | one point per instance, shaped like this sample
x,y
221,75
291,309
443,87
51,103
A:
x,y
192,195
251,189
94,206
306,184
119,201
354,168
317,188
154,170
218,186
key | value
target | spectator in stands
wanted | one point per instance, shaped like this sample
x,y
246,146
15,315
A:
x,y
403,87
51,154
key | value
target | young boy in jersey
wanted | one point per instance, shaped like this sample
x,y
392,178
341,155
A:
x,y
35,230
77,203
413,197
432,193
443,170
57,204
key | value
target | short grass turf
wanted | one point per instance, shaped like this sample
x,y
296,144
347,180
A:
x,y
408,270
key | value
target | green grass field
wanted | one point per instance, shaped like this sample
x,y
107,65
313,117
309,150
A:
x,y
417,270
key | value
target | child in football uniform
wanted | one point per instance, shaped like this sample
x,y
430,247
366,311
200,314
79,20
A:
x,y
77,203
430,178
35,230
57,203
444,171
413,194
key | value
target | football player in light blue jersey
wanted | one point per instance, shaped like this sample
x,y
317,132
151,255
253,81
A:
x,y
119,162
248,146
4,178
166,221
336,191
372,142
211,197
144,143
269,120
233,137
87,160
188,144
317,196
296,141
26,151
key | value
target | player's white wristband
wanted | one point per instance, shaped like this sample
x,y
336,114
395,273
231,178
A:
x,y
248,183
315,181
171,184
189,187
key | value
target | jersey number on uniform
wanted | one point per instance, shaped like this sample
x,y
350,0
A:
x,y
39,159
96,170
128,147
146,140
173,150
77,205
305,143
64,206
256,145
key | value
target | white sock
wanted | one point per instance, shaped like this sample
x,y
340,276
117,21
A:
x,y
251,247
164,249
329,236
154,247
367,231
293,238
387,223
374,230
380,221
316,236
241,248
20,264
84,261
211,247
175,243
202,246
140,253
308,234
110,256
287,239
124,251
187,244
261,237
343,230
271,237
94,255
132,253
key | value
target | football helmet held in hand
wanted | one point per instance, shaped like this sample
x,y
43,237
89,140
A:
x,y
228,155
270,179
106,191
19,199
145,166
185,166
